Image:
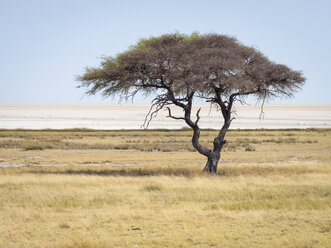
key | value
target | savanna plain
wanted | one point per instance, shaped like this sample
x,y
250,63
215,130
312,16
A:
x,y
87,188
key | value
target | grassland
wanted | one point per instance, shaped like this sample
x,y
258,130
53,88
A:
x,y
85,188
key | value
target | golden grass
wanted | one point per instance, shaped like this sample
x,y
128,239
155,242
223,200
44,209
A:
x,y
275,196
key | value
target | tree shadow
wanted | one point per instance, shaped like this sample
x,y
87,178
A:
x,y
132,172
224,171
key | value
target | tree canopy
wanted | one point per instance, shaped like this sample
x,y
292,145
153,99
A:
x,y
191,63
176,68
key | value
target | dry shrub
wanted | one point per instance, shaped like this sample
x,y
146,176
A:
x,y
33,147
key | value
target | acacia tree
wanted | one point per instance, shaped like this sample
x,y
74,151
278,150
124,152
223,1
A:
x,y
177,68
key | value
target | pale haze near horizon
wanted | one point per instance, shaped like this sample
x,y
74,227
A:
x,y
132,116
45,44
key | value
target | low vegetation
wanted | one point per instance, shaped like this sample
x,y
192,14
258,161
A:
x,y
87,188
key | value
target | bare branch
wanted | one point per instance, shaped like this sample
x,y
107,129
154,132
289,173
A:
x,y
198,117
262,105
146,116
210,108
242,102
233,97
174,117
152,114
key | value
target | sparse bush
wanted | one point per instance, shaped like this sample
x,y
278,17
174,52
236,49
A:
x,y
121,147
33,147
310,141
249,149
153,187
290,140
64,225
269,140
232,146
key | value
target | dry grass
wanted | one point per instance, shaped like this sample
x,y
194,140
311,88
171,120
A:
x,y
277,195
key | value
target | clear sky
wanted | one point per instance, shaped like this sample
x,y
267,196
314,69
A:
x,y
44,44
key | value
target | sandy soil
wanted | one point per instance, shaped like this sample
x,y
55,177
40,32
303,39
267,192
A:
x,y
131,116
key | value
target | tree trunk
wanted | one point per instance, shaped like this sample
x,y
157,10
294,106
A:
x,y
215,155
219,141
212,163
212,155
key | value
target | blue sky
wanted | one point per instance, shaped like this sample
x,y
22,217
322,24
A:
x,y
45,44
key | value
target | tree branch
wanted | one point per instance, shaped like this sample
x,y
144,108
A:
x,y
151,114
262,112
232,97
174,117
219,101
198,117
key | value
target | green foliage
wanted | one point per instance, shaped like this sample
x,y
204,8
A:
x,y
145,44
